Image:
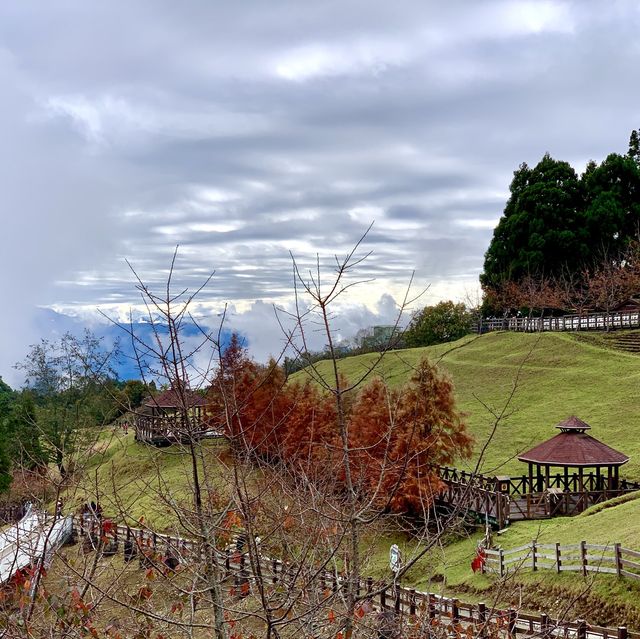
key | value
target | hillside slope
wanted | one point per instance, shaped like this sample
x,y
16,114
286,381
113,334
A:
x,y
557,376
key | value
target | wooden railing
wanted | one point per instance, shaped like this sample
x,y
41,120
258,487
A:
x,y
501,500
584,322
169,429
583,558
573,482
474,494
408,603
11,513
447,473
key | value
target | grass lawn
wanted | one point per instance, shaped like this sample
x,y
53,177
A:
x,y
142,480
559,376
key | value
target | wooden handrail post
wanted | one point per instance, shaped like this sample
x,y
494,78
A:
x,y
455,610
369,584
545,624
534,549
582,629
583,557
431,606
618,558
412,602
558,558
501,560
482,619
397,602
622,632
383,600
512,618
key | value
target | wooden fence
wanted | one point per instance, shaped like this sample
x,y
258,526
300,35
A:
x,y
408,603
584,322
583,558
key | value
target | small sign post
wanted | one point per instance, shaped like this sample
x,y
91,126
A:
x,y
394,558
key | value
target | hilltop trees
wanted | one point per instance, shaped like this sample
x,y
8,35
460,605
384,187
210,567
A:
x,y
444,322
556,223
540,229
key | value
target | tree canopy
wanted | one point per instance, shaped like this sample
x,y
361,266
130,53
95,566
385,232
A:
x,y
444,322
556,221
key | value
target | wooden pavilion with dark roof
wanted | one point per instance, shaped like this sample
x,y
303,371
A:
x,y
572,448
171,416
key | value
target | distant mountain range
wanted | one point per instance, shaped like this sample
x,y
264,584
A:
x,y
53,325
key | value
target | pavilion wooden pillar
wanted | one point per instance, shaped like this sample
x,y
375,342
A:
x,y
531,477
547,475
540,481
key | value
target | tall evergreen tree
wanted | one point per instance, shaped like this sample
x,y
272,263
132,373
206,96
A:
x,y
7,399
612,205
23,434
541,229
555,223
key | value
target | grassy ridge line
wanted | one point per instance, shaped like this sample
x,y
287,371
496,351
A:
x,y
560,376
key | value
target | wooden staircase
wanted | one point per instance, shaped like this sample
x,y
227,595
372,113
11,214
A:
x,y
628,341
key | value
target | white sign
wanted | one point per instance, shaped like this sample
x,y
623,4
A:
x,y
394,558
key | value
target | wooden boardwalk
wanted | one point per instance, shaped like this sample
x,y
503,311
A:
x,y
501,500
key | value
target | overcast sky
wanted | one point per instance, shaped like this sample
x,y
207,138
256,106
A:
x,y
244,130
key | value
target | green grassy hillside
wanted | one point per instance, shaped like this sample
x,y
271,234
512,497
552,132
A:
x,y
559,375
125,476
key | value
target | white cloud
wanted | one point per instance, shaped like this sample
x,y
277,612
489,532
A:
x,y
478,223
326,60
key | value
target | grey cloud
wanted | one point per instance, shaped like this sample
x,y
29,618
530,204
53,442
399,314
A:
x,y
311,120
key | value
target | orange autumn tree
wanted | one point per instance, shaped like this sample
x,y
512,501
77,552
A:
x,y
372,421
266,418
397,437
430,431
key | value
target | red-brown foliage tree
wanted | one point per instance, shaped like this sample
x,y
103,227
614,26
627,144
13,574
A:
x,y
430,432
396,437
